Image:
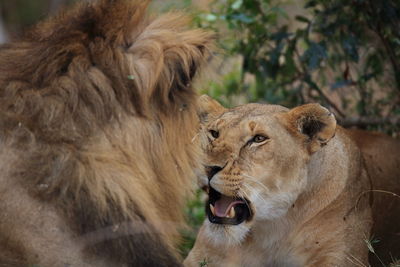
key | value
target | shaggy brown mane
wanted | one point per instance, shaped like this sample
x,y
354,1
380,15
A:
x,y
97,114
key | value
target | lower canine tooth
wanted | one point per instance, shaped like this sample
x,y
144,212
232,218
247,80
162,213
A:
x,y
232,213
212,209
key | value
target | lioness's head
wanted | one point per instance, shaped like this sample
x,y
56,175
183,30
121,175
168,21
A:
x,y
256,161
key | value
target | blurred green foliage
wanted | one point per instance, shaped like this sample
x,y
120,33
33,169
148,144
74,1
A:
x,y
195,214
20,14
344,54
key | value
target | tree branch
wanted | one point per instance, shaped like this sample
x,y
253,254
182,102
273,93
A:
x,y
307,78
368,121
330,102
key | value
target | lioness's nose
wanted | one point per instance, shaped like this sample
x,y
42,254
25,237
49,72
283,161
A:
x,y
212,170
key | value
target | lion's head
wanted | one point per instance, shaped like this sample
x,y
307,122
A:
x,y
256,161
97,114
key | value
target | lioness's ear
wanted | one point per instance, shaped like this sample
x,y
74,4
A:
x,y
208,108
313,123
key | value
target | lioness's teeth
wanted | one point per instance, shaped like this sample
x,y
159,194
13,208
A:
x,y
212,209
232,213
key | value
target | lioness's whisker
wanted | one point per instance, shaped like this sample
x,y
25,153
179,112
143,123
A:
x,y
253,179
257,194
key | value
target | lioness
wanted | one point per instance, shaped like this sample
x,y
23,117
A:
x,y
286,188
97,114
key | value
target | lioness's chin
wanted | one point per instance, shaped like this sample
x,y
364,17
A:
x,y
225,235
271,211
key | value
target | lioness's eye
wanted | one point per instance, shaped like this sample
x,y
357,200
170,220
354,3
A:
x,y
259,138
214,134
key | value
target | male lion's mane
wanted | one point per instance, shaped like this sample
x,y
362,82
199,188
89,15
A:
x,y
97,114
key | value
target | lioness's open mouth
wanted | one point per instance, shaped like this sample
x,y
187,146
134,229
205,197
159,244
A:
x,y
223,209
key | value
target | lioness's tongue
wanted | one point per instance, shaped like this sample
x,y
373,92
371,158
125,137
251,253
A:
x,y
224,204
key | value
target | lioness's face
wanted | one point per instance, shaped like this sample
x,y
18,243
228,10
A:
x,y
255,167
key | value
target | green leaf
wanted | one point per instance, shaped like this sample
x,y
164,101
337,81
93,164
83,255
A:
x,y
278,36
370,243
237,4
279,11
340,84
302,19
314,55
203,263
350,47
243,18
309,4
210,17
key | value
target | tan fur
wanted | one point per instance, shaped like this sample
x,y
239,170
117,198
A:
x,y
97,117
307,186
382,159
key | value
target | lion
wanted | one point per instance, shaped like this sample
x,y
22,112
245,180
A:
x,y
381,155
97,117
285,188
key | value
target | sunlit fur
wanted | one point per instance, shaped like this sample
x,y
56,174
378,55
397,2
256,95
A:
x,y
97,118
306,183
225,235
